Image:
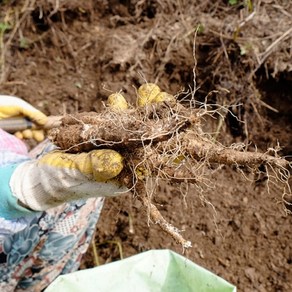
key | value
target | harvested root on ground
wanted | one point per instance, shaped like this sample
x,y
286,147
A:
x,y
159,141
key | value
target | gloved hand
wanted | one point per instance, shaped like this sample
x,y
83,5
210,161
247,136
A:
x,y
57,177
11,106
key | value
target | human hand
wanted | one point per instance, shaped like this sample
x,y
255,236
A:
x,y
56,177
11,106
59,177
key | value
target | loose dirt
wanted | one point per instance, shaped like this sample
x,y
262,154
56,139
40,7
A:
x,y
68,56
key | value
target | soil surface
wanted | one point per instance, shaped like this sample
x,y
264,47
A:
x,y
68,56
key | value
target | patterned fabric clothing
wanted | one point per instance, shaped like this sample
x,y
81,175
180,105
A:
x,y
35,249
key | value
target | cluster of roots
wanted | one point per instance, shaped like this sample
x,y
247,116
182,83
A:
x,y
160,141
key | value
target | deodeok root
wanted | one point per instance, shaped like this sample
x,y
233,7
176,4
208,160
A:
x,y
163,141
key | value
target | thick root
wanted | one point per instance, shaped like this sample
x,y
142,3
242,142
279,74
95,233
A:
x,y
121,130
201,148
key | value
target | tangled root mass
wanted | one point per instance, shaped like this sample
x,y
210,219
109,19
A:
x,y
159,141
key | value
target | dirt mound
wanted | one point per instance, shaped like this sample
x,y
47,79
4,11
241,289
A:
x,y
68,56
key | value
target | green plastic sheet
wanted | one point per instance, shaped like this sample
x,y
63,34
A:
x,y
154,270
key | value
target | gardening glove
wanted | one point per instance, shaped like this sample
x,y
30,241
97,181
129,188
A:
x,y
30,185
11,106
149,93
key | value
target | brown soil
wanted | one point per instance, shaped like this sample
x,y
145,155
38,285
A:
x,y
68,56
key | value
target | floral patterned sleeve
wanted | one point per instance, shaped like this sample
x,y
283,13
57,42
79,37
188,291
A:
x,y
35,249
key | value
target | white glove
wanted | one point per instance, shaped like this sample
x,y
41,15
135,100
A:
x,y
59,177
